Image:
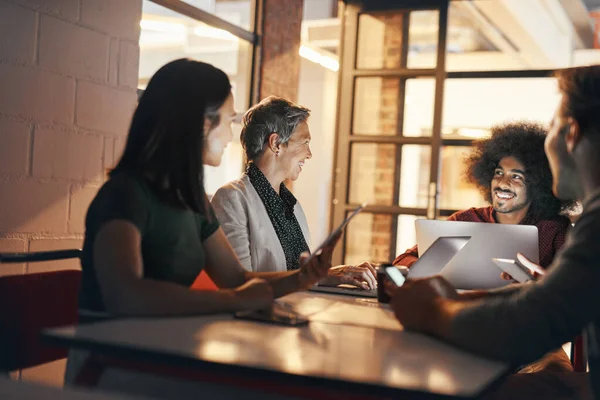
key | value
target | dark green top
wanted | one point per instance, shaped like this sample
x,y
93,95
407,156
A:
x,y
171,236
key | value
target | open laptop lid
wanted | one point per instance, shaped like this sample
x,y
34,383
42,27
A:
x,y
472,267
437,256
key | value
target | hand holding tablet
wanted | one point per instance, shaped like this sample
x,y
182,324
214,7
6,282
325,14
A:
x,y
336,232
315,266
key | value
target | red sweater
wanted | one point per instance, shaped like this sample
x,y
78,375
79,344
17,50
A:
x,y
552,233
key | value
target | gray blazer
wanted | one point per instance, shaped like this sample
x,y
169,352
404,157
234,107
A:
x,y
246,224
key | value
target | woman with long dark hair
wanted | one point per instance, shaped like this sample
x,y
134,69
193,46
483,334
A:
x,y
151,230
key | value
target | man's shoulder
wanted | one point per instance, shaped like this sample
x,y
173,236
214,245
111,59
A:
x,y
558,223
236,188
473,214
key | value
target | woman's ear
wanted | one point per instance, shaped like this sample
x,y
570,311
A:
x,y
206,128
273,142
573,136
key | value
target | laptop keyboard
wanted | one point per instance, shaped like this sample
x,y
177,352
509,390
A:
x,y
348,291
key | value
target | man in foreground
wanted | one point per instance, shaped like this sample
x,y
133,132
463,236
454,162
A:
x,y
520,323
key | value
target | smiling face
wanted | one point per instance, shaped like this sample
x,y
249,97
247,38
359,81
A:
x,y
218,137
509,188
295,152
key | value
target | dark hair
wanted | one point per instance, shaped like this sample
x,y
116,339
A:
x,y
166,137
271,115
581,101
525,142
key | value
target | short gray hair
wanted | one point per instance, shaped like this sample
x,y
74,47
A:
x,y
272,115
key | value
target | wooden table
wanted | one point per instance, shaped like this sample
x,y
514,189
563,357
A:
x,y
351,344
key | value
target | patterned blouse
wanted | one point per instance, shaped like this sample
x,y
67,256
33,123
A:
x,y
280,208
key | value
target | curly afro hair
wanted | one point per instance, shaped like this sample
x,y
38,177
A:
x,y
525,142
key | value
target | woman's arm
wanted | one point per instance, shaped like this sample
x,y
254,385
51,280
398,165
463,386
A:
x,y
229,207
224,268
119,270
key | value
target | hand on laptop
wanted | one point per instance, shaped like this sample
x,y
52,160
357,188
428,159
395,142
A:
x,y
535,269
362,275
315,268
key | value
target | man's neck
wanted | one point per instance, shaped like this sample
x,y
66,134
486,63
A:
x,y
512,217
588,168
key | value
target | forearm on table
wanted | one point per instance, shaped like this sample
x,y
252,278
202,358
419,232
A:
x,y
282,283
147,297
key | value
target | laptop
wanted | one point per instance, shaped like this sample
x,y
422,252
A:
x,y
347,290
472,267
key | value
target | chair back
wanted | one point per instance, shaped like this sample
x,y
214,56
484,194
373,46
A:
x,y
32,302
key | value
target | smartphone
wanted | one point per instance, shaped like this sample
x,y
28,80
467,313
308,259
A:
x,y
333,234
514,268
395,275
276,315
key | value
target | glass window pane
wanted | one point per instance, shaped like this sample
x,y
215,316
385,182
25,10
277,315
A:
x,y
372,169
455,193
372,173
237,12
167,36
407,236
379,41
414,175
368,238
418,107
472,106
377,106
423,39
488,35
376,102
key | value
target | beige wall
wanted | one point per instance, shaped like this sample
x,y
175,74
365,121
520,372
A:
x,y
68,78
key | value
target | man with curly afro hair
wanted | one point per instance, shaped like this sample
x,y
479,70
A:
x,y
512,172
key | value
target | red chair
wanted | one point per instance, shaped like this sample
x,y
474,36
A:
x,y
32,302
578,355
203,282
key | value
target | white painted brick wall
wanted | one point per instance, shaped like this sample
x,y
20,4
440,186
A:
x,y
113,62
68,73
17,33
113,17
81,197
12,246
14,147
108,160
129,58
64,9
85,56
30,206
66,154
103,108
36,94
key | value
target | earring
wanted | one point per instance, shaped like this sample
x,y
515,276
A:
x,y
277,153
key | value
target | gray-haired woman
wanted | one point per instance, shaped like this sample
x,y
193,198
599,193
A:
x,y
261,218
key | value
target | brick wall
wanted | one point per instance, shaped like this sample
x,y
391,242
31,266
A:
x,y
68,73
280,70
